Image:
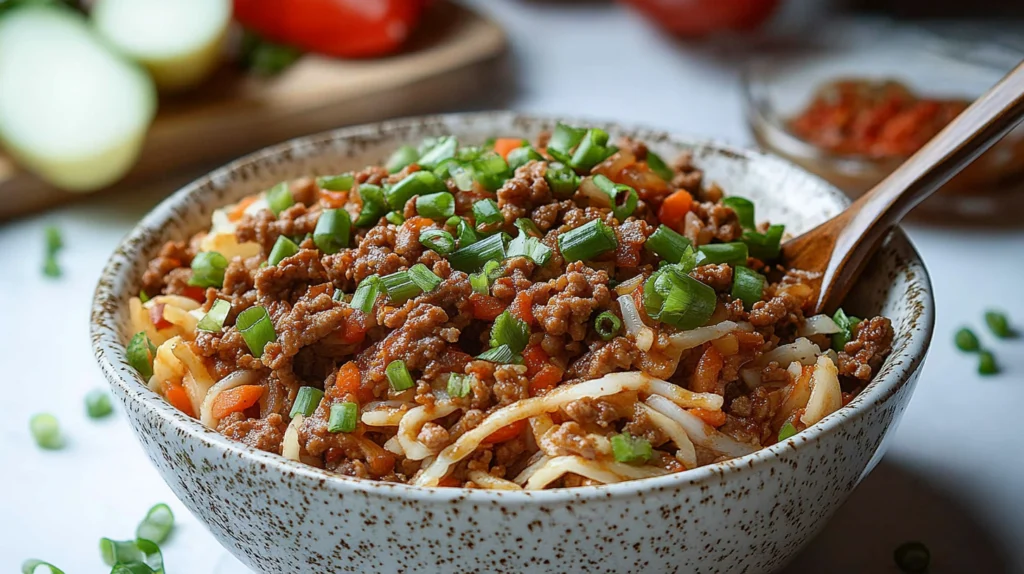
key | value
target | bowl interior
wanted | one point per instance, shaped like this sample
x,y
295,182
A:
x,y
895,283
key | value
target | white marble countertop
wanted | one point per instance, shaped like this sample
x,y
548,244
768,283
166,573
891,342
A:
x,y
952,477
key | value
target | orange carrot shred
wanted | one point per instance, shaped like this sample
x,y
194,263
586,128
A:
x,y
236,400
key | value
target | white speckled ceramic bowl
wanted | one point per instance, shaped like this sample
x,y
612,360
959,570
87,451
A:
x,y
751,514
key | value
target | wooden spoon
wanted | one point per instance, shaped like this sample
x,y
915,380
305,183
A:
x,y
841,246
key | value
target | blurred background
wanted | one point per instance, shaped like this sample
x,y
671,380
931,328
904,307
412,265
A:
x,y
108,106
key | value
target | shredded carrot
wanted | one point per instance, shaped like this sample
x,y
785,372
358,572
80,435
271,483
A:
x,y
713,418
333,199
705,378
547,379
156,316
504,145
417,223
506,433
349,382
239,209
355,327
522,307
236,400
674,208
176,395
535,359
485,307
449,481
194,293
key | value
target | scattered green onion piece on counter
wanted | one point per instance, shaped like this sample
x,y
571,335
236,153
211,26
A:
x,y
140,352
401,158
366,294
563,140
458,385
521,156
279,198
139,556
398,376
400,286
621,198
157,524
213,321
786,431
283,249
531,248
143,296
332,231
659,167
733,254
490,171
510,331
97,404
744,209
440,149
528,227
341,182
343,417
306,401
847,325
32,566
999,324
607,325
562,180
673,297
487,215
987,363
424,278
502,355
436,205
395,218
472,257
54,243
593,149
46,431
912,557
437,240
256,328
667,244
631,449
587,241
374,205
418,183
208,269
966,340
747,285
466,235
765,246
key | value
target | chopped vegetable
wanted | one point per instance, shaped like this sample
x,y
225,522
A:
x,y
97,404
511,332
998,324
458,385
592,150
395,218
487,215
562,180
374,205
587,241
473,257
343,417
404,285
504,146
140,352
54,243
733,254
847,326
531,248
398,376
306,401
501,354
744,209
417,183
521,156
139,556
765,246
400,158
46,431
786,431
674,209
966,340
747,285
257,329
437,240
280,198
236,400
283,249
366,294
157,524
667,243
621,198
673,297
987,363
659,167
32,566
438,150
332,230
631,449
912,557
563,140
208,269
436,205
213,321
607,325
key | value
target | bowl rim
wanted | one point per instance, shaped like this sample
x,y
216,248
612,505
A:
x,y
109,350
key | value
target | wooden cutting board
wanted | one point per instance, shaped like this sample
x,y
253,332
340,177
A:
x,y
446,64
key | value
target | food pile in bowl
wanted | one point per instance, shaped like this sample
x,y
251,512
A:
x,y
510,315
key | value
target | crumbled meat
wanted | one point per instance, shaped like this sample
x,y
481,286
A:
x,y
173,255
567,439
590,411
718,276
263,228
863,355
265,434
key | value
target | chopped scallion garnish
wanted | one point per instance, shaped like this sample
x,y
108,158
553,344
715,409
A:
x,y
213,321
847,326
529,247
786,431
54,243
659,167
487,215
744,209
343,417
987,363
479,283
528,227
436,205
668,244
97,404
510,331
398,376
966,340
208,269
395,218
157,524
140,352
490,171
332,230
621,198
502,355
32,566
631,449
306,401
999,324
256,328
400,158
283,249
593,149
765,246
279,198
342,182
404,285
607,325
438,240
458,385
366,294
465,233
424,278
46,431
562,180
747,285
374,205
439,149
139,556
731,253
418,183
520,156
587,241
563,140
472,257
673,297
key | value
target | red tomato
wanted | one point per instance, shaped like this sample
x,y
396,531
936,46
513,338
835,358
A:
x,y
341,28
702,17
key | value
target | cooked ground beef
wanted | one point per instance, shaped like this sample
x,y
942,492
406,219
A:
x,y
864,354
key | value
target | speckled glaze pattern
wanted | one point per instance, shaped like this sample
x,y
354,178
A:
x,y
747,515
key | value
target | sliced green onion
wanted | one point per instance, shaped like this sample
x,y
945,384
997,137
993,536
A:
x,y
441,149
744,209
140,352
631,449
366,294
443,169
401,158
462,176
46,431
418,183
587,241
689,259
659,167
490,171
139,556
966,340
847,326
593,149
528,227
521,156
208,269
998,324
157,524
467,236
436,205
97,404
470,152
562,180
487,215
912,557
621,198
256,328
54,243
437,240
143,297
607,325
343,417
453,221
213,320
667,244
531,248
786,431
283,249
510,331
400,287
502,355
458,385
563,140
747,285
479,283
987,363
332,230
424,278
673,297
374,205
472,257
732,253
31,566
395,218
342,182
306,401
765,246
398,376
279,198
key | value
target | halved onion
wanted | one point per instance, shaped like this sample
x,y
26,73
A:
x,y
826,394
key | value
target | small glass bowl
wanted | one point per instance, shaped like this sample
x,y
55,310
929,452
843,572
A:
x,y
778,84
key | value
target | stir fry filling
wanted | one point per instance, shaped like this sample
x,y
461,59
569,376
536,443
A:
x,y
510,315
